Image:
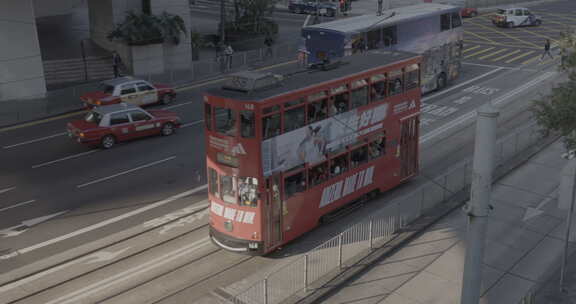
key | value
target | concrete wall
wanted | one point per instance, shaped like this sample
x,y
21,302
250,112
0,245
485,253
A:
x,y
46,8
176,56
21,71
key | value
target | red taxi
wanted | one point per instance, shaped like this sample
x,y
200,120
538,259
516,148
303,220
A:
x,y
107,125
129,90
468,12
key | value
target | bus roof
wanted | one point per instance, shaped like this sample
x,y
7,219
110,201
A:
x,y
296,78
393,16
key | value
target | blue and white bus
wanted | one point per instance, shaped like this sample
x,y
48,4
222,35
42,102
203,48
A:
x,y
432,30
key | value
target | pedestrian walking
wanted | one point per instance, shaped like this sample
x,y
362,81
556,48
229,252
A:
x,y
268,41
228,51
546,50
116,63
380,3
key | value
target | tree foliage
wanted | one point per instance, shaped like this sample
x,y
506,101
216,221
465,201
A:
x,y
556,112
143,29
250,17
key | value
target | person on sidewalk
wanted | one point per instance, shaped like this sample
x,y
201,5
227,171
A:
x,y
546,50
380,3
268,41
228,52
116,63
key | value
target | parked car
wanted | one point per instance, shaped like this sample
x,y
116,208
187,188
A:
x,y
325,8
107,125
469,12
129,90
513,17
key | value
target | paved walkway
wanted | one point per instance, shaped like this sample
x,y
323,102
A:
x,y
522,251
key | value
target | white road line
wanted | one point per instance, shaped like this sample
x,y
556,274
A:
x,y
130,274
177,105
34,140
7,189
126,172
451,88
497,66
16,205
192,123
470,115
64,158
111,221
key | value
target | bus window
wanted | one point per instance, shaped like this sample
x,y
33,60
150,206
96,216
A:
x,y
359,95
247,191
271,125
456,21
247,123
294,118
228,187
444,22
208,116
378,91
318,174
225,121
412,76
213,182
295,184
317,110
359,156
395,85
389,36
339,164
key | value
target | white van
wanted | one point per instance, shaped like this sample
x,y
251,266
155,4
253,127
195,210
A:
x,y
513,17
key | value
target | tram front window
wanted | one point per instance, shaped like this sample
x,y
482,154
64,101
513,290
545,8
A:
x,y
225,121
228,189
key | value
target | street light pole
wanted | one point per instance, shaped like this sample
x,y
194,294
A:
x,y
477,209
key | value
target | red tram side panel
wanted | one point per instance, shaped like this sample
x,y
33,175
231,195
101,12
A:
x,y
285,149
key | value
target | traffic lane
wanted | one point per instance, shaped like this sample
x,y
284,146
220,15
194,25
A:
x,y
70,184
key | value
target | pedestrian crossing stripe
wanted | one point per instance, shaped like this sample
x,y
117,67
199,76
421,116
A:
x,y
518,57
472,48
479,52
492,54
505,55
530,60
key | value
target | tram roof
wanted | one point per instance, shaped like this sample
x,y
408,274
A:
x,y
391,16
295,77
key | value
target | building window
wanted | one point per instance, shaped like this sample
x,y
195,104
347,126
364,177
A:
x,y
208,116
395,84
295,184
445,22
247,123
317,110
412,76
318,174
339,165
213,182
248,191
225,121
228,187
294,118
271,125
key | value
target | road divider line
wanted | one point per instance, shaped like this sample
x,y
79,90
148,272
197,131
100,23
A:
x,y
177,105
454,87
64,158
110,221
34,140
126,172
129,274
7,189
36,122
17,205
497,66
192,123
470,115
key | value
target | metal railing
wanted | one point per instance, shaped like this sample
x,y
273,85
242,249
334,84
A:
x,y
316,267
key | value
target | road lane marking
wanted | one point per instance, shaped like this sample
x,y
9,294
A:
x,y
531,59
479,52
130,274
454,87
34,140
104,223
126,172
469,49
36,122
505,55
177,105
470,115
518,57
502,67
17,205
64,158
503,33
481,37
492,54
7,189
186,125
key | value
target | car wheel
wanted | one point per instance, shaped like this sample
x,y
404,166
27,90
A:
x,y
166,99
441,82
168,129
107,141
510,24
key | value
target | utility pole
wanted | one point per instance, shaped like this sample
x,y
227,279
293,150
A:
x,y
478,208
566,194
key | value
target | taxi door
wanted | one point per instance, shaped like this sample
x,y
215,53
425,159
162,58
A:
x,y
148,94
121,126
144,124
129,94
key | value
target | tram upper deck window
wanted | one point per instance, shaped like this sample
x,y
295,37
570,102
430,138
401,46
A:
x,y
225,121
359,96
412,76
378,91
395,83
247,123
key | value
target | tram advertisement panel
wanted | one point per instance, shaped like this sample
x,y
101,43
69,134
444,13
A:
x,y
311,143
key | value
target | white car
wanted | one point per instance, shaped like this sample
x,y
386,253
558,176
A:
x,y
513,17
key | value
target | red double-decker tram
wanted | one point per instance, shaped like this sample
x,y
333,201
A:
x,y
285,150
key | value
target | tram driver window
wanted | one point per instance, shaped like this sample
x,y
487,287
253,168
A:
x,y
271,125
339,165
295,184
228,187
247,191
225,121
395,83
247,123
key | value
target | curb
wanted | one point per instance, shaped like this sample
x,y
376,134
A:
x,y
413,230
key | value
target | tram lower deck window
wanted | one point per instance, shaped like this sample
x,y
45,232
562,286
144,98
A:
x,y
228,189
295,184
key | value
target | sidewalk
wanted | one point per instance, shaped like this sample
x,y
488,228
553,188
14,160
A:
x,y
523,249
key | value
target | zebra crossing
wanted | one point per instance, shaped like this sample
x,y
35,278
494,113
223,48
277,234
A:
x,y
504,55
